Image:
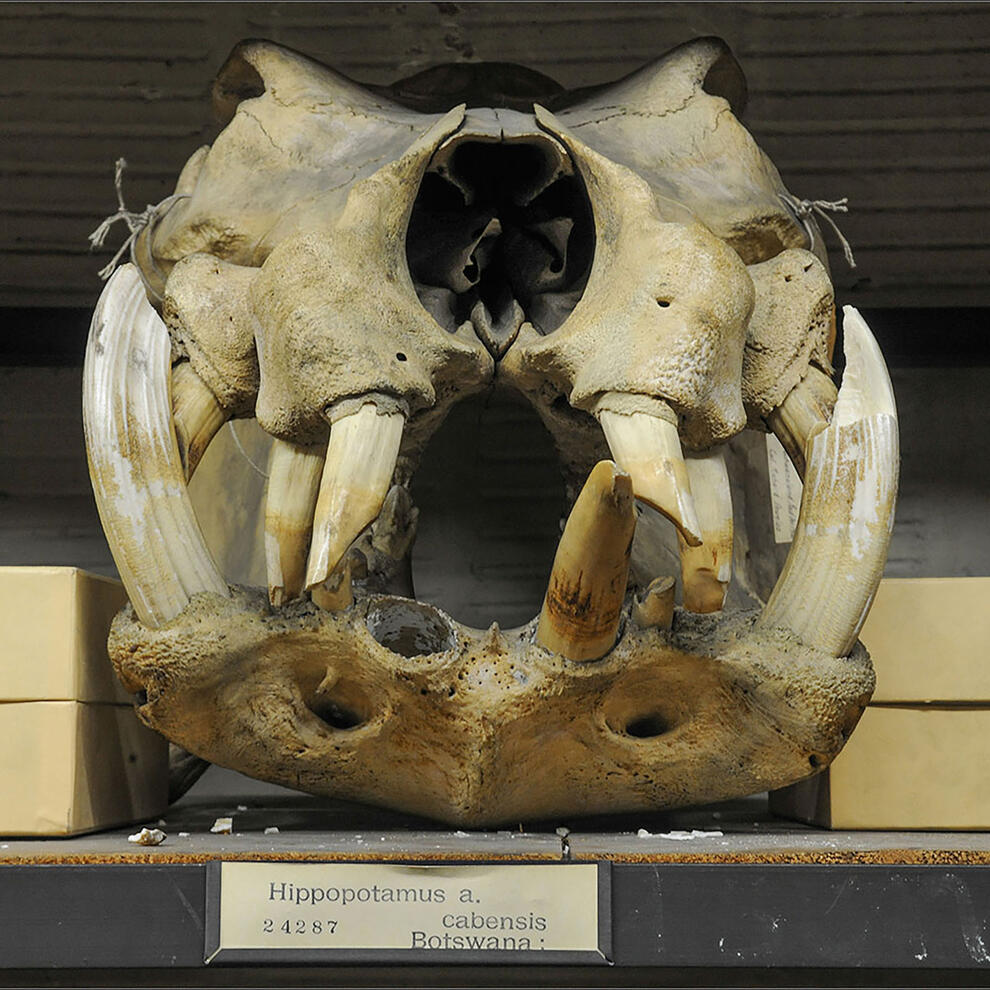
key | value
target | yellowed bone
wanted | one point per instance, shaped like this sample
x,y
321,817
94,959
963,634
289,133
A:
x,y
656,608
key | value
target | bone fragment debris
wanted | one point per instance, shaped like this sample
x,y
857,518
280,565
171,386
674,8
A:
x,y
147,837
804,413
836,560
294,473
707,570
360,461
648,448
138,478
222,826
196,415
583,604
656,608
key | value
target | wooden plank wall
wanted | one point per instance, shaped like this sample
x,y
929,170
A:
x,y
886,103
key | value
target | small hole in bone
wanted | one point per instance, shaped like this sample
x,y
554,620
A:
x,y
409,628
815,760
788,278
647,726
141,697
400,356
337,716
663,303
344,706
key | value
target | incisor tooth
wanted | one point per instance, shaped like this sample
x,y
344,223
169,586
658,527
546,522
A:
x,y
360,461
293,485
196,415
648,448
583,604
707,570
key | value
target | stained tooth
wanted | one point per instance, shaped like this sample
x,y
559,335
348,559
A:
x,y
138,479
707,570
581,611
805,412
360,461
196,415
648,448
293,485
656,608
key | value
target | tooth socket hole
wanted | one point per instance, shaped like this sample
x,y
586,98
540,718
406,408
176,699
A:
x,y
647,726
410,628
343,707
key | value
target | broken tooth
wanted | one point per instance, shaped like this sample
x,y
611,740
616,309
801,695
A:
x,y
294,473
648,448
196,415
357,473
335,594
707,570
656,608
583,604
804,413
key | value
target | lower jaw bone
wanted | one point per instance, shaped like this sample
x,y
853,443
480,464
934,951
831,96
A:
x,y
394,703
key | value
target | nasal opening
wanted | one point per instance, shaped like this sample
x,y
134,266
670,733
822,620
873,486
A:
x,y
501,233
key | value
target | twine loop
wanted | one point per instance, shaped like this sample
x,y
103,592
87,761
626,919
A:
x,y
806,209
136,222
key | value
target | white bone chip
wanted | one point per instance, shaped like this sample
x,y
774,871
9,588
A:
x,y
271,830
147,837
222,826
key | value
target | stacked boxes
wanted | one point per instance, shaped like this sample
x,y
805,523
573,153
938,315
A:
x,y
919,757
74,757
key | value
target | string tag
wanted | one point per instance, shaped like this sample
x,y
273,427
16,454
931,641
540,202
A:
x,y
805,209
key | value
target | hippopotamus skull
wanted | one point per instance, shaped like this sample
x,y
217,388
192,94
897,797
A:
x,y
346,263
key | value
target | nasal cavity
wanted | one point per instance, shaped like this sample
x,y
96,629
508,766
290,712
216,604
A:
x,y
501,233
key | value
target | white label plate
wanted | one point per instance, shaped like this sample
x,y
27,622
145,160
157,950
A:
x,y
386,911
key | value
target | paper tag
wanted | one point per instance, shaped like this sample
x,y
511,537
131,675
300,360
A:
x,y
785,491
384,911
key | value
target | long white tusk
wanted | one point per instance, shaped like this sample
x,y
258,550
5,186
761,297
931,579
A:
x,y
360,461
649,450
583,603
137,474
196,415
707,570
293,485
847,511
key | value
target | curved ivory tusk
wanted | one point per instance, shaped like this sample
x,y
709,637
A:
x,y
134,463
847,511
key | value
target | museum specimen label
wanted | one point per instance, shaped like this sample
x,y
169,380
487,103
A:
x,y
523,912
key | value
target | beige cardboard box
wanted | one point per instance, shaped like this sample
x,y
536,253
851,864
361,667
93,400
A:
x,y
72,766
930,640
54,623
75,756
918,758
